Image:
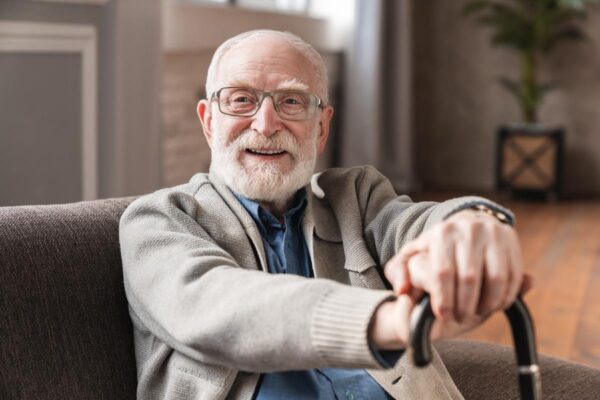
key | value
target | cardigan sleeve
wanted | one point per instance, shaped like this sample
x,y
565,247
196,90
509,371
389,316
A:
x,y
194,296
391,221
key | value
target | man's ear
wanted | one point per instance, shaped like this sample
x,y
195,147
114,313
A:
x,y
205,116
324,124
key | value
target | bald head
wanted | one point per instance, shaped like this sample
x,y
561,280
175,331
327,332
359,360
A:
x,y
312,59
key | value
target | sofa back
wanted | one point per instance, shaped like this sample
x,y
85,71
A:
x,y
65,331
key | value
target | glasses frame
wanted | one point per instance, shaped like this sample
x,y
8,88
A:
x,y
262,94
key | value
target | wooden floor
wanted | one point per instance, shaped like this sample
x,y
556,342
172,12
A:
x,y
561,249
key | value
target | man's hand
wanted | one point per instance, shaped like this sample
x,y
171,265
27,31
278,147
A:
x,y
391,322
470,265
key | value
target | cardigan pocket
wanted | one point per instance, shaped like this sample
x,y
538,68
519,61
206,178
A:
x,y
362,269
329,261
358,257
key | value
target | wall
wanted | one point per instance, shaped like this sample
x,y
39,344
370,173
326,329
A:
x,y
184,149
458,104
128,84
40,138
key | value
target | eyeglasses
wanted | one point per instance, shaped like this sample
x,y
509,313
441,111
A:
x,y
293,105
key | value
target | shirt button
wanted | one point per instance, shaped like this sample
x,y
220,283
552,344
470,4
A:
x,y
349,395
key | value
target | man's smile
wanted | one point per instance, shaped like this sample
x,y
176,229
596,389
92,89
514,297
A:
x,y
270,153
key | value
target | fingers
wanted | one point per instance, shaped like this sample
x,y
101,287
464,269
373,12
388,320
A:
x,y
470,265
469,261
495,280
403,307
396,272
516,282
503,273
450,329
389,329
528,283
396,269
441,286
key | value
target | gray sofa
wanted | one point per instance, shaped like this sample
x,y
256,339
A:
x,y
65,332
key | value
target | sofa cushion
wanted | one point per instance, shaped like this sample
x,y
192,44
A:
x,y
489,371
65,330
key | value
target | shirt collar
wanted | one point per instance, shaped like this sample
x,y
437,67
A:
x,y
259,213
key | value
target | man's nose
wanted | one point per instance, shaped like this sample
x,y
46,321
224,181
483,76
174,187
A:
x,y
266,121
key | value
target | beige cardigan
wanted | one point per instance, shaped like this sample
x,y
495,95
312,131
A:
x,y
208,320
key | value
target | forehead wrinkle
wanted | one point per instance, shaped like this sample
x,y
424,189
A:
x,y
287,84
237,82
245,71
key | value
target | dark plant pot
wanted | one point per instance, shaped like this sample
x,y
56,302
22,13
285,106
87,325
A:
x,y
529,160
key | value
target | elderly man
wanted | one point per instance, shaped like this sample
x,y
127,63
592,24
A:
x,y
257,281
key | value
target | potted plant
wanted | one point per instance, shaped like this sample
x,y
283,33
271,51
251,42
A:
x,y
529,154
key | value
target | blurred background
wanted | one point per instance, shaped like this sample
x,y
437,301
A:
x,y
97,100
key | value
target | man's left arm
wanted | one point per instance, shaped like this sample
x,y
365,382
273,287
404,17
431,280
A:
x,y
463,252
469,263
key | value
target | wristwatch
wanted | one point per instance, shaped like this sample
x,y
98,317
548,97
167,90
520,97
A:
x,y
486,210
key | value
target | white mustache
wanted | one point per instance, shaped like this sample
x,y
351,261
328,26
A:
x,y
250,139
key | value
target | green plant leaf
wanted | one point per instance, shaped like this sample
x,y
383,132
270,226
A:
x,y
571,33
510,23
512,86
532,28
473,7
512,38
508,14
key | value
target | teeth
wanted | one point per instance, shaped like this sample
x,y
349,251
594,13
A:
x,y
266,152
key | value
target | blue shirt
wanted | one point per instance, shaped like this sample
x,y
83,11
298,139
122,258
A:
x,y
287,253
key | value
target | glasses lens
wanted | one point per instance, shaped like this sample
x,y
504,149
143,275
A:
x,y
238,101
290,104
295,104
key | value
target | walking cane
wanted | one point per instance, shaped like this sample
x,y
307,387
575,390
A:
x,y
523,337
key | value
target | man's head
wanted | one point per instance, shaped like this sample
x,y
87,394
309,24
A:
x,y
268,153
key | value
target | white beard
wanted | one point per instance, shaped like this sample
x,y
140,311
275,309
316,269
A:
x,y
264,181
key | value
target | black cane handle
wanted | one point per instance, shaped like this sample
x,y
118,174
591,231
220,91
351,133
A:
x,y
523,336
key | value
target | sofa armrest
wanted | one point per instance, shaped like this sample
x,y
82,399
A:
x,y
489,371
65,331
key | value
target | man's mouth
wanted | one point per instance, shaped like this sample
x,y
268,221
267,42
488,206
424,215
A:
x,y
266,152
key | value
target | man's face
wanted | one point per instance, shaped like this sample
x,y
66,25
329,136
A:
x,y
264,157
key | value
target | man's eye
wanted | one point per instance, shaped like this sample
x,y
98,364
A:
x,y
241,99
293,100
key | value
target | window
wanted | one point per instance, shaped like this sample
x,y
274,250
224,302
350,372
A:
x,y
294,6
339,11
